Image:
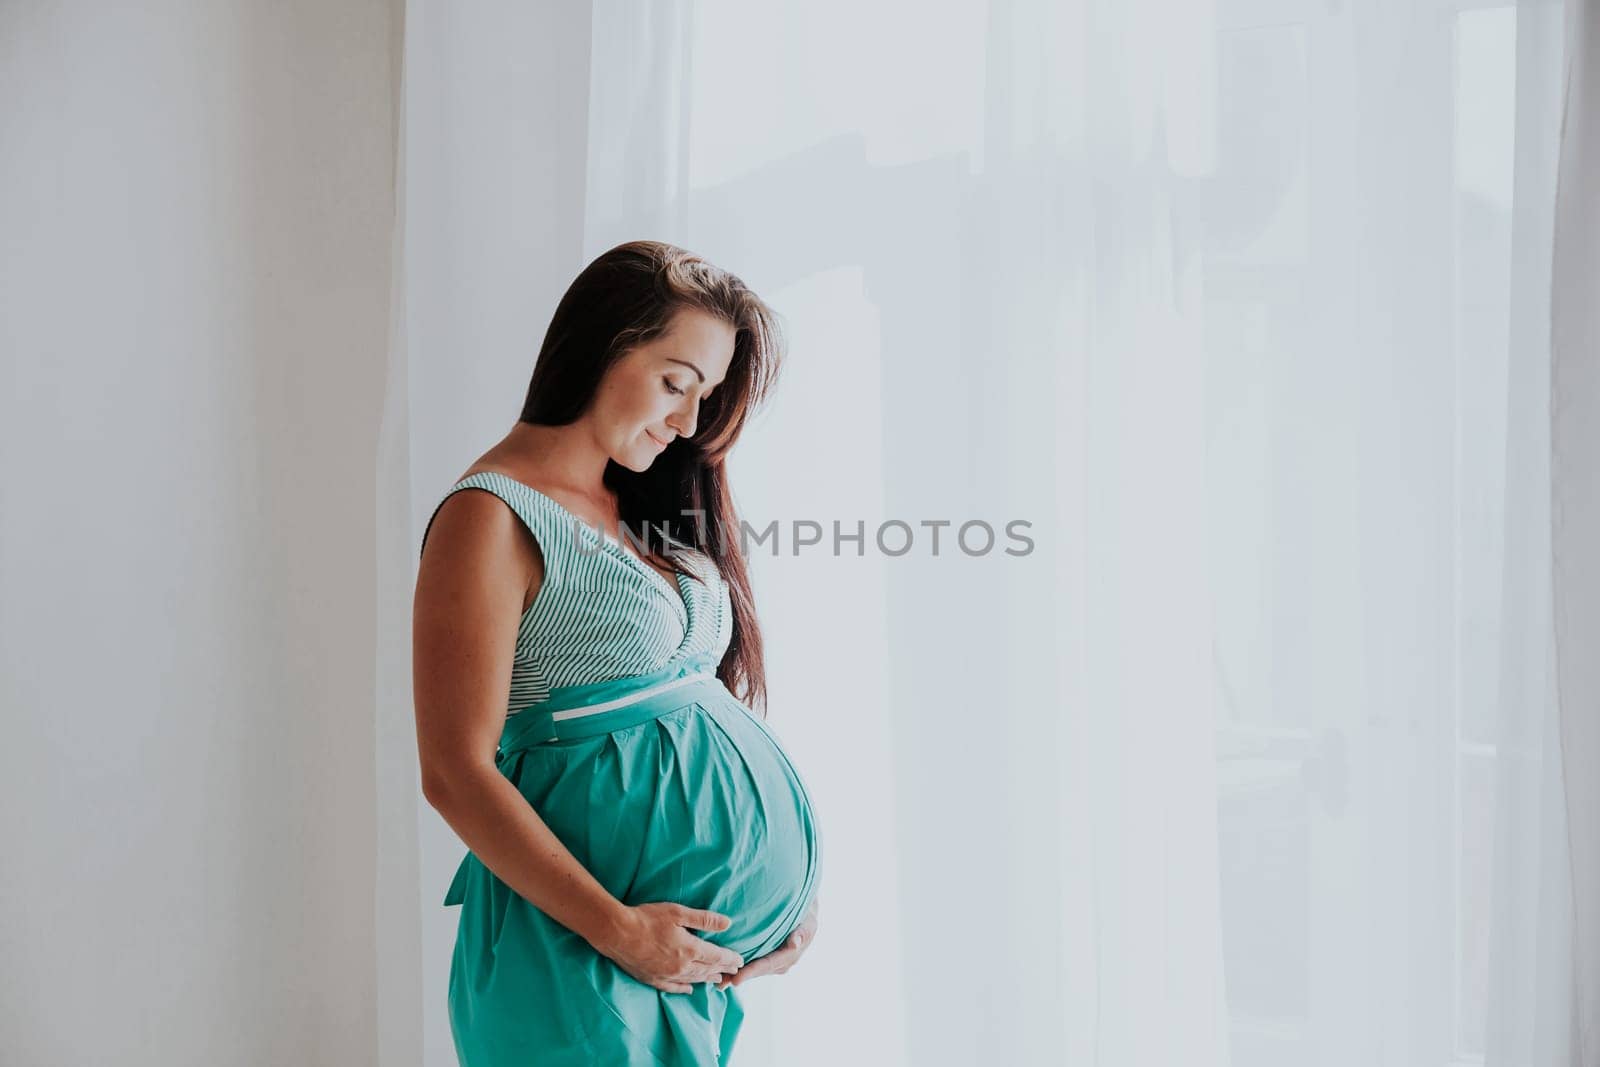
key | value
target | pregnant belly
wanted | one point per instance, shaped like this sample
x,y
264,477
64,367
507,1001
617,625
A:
x,y
700,807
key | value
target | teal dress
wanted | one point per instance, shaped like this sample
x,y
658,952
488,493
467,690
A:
x,y
660,782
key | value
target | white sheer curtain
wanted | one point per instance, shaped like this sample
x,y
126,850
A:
x,y
1256,757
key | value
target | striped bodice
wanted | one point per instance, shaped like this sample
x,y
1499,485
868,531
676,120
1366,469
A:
x,y
601,612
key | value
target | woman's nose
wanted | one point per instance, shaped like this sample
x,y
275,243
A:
x,y
683,423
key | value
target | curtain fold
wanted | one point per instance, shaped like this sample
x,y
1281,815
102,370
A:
x,y
399,891
1531,949
1575,506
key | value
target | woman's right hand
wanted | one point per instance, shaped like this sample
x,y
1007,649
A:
x,y
653,943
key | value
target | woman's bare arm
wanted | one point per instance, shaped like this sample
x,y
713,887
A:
x,y
479,564
476,567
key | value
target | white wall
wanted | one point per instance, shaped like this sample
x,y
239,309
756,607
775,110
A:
x,y
195,214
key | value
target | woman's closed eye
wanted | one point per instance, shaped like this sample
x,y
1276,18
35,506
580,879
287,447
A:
x,y
675,391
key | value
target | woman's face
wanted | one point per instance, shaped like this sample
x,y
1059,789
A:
x,y
652,395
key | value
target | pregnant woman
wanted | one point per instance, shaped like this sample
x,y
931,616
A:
x,y
587,665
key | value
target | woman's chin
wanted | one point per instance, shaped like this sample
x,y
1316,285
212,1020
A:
x,y
637,461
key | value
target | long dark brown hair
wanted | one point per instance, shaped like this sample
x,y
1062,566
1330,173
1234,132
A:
x,y
628,297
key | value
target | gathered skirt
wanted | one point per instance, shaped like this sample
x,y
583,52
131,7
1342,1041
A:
x,y
666,788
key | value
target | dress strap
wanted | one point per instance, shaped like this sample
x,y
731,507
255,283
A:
x,y
528,506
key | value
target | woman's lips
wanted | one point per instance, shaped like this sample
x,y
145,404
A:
x,y
656,439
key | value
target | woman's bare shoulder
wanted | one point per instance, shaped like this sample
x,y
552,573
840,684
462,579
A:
x,y
479,529
478,547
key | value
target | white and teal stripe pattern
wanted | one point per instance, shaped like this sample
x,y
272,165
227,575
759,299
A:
x,y
601,612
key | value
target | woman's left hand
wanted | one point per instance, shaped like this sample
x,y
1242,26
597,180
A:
x,y
780,959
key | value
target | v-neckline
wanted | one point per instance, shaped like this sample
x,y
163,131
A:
x,y
682,597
